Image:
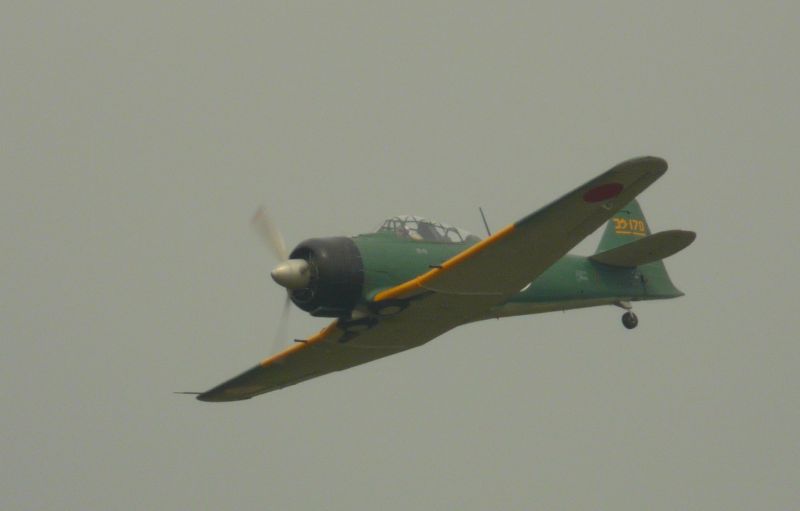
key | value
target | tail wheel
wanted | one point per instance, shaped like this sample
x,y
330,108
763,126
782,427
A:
x,y
630,320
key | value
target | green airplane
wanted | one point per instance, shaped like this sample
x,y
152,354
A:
x,y
415,279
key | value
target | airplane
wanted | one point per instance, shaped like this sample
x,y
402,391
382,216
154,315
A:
x,y
415,279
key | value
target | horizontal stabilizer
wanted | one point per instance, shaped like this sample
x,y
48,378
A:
x,y
646,250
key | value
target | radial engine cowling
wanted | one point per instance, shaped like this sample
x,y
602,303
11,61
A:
x,y
336,276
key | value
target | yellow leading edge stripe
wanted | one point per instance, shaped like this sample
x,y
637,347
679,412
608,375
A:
x,y
320,336
418,282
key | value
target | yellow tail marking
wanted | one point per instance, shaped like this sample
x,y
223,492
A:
x,y
629,226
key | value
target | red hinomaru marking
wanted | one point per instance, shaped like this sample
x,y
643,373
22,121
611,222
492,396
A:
x,y
603,192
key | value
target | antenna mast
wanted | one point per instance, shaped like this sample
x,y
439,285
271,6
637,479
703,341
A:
x,y
485,224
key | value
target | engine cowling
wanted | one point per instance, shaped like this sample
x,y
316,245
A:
x,y
336,276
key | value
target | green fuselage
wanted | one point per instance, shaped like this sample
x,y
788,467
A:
x,y
572,282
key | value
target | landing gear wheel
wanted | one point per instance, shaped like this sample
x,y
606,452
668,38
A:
x,y
387,308
354,327
630,320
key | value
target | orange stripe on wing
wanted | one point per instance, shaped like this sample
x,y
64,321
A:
x,y
418,282
319,337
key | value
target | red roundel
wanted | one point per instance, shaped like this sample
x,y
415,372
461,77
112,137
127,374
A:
x,y
603,192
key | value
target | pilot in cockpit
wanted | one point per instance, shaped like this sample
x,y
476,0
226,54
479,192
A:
x,y
426,231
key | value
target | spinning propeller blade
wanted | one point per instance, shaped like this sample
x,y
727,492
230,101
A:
x,y
269,231
283,325
265,227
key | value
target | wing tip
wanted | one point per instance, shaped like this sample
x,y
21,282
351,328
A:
x,y
220,397
213,396
653,164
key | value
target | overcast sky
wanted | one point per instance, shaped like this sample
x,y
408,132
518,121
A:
x,y
137,140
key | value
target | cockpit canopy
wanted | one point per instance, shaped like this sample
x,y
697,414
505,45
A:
x,y
420,229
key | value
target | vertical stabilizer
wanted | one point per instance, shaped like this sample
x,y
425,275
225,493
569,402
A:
x,y
627,226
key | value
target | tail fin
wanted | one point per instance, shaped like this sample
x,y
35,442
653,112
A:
x,y
627,226
627,243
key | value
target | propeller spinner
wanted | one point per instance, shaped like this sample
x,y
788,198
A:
x,y
292,274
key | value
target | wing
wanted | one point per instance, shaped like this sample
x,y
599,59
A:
x,y
505,262
461,290
334,349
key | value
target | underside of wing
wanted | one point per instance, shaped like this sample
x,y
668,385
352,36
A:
x,y
296,363
336,347
505,262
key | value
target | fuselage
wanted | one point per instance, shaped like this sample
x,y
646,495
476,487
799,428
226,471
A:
x,y
572,282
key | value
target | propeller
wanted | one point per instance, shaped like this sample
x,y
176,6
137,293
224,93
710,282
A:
x,y
289,273
269,231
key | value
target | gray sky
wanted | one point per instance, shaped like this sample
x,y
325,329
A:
x,y
136,142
